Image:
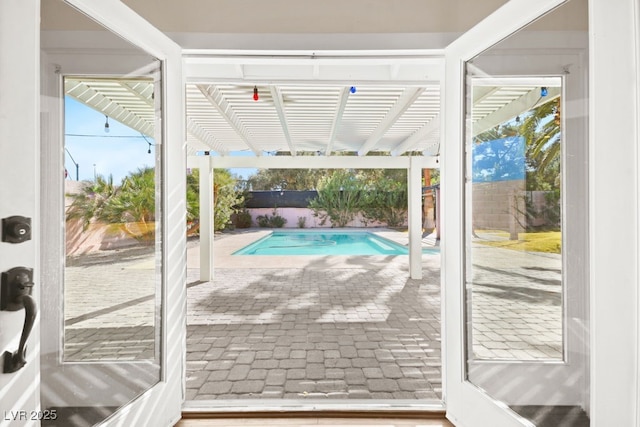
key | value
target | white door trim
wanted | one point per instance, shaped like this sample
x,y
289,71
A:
x,y
614,182
161,404
466,404
19,194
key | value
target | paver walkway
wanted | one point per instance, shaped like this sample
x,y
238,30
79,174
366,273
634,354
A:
x,y
313,333
325,327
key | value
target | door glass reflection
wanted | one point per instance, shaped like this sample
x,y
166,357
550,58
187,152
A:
x,y
515,237
111,227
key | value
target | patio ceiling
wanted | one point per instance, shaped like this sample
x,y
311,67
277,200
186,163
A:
x,y
312,118
321,118
129,101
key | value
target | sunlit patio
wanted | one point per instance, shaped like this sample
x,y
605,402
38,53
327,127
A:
x,y
329,327
312,327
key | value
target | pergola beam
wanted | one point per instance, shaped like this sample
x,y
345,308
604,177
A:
x,y
205,137
278,103
323,162
402,104
139,94
513,109
98,101
428,128
337,119
216,99
480,93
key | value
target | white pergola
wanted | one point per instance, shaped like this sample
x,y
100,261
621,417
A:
x,y
312,104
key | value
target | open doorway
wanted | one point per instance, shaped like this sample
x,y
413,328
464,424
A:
x,y
313,328
298,310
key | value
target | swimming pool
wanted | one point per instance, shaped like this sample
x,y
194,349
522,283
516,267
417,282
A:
x,y
323,243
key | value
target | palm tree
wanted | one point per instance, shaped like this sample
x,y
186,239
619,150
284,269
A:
x,y
135,204
542,133
93,200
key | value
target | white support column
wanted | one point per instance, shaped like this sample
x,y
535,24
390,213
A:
x,y
206,218
414,178
614,214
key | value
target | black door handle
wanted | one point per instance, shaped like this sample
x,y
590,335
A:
x,y
15,294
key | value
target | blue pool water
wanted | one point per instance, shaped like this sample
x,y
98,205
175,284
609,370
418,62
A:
x,y
323,243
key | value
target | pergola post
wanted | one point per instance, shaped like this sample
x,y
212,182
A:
x,y
206,218
414,185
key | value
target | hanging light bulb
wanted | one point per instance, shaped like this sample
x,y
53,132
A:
x,y
544,91
352,89
149,150
255,93
517,119
106,124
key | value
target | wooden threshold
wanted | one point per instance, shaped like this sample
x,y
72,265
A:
x,y
345,414
315,419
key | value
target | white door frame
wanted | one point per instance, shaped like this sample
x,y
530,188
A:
x,y
20,111
161,404
19,194
614,182
466,404
563,381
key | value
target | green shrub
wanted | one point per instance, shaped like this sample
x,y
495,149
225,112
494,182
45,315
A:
x,y
275,221
387,202
302,222
338,198
262,220
243,219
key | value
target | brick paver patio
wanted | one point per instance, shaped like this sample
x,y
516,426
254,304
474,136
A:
x,y
305,333
330,328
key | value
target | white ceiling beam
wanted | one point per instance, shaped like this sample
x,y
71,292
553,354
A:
x,y
515,108
205,137
139,94
322,162
337,119
402,104
408,69
85,94
432,149
278,102
480,93
217,100
191,154
428,128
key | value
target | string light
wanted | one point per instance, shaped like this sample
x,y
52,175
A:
x,y
352,89
255,93
106,124
148,142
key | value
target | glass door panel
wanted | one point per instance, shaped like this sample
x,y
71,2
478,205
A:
x,y
104,333
112,232
526,294
514,274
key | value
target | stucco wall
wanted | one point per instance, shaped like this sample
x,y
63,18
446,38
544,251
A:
x,y
293,214
499,206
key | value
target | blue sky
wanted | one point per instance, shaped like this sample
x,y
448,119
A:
x,y
120,151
